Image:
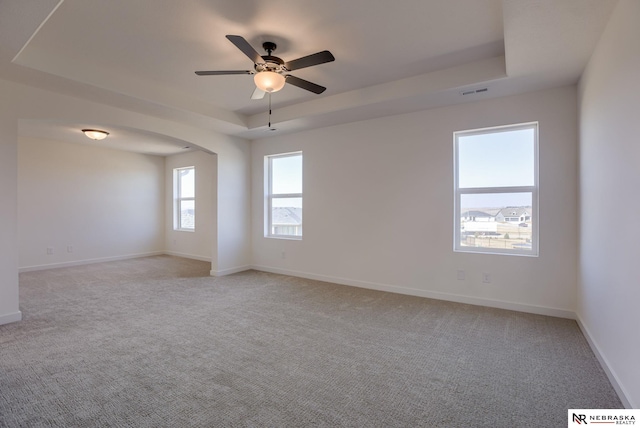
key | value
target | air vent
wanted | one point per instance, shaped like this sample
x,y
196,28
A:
x,y
474,91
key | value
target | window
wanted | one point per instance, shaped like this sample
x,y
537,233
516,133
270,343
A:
x,y
496,179
283,182
184,191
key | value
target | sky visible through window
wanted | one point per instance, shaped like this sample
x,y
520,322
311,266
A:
x,y
497,200
287,179
187,191
188,183
496,159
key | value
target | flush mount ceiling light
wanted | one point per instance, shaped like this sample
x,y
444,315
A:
x,y
95,134
269,81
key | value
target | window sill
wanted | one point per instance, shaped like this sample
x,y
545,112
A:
x,y
496,253
285,237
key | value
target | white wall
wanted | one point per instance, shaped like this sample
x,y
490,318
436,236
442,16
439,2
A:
x,y
199,243
234,210
609,287
105,204
9,309
230,252
378,206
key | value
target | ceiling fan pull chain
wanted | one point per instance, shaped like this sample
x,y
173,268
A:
x,y
269,110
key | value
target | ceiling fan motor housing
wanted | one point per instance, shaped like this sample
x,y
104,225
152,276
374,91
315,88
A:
x,y
271,63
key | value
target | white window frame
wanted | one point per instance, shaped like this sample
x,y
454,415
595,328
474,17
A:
x,y
178,199
458,192
268,161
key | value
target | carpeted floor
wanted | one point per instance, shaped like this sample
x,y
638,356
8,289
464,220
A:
x,y
156,342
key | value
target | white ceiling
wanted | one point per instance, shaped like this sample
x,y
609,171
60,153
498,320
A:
x,y
390,57
120,138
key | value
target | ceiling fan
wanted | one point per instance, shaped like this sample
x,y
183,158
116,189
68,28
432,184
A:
x,y
270,72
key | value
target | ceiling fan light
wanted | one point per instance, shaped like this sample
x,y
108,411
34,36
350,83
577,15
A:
x,y
269,81
95,134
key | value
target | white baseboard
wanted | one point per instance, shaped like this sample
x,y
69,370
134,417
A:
x,y
229,271
615,382
512,306
188,256
88,261
9,318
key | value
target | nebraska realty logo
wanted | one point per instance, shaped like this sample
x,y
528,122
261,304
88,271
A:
x,y
579,417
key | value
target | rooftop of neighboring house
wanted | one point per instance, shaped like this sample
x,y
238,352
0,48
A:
x,y
494,212
515,211
286,215
481,212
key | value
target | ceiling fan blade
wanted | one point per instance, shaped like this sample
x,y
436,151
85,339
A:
x,y
246,48
309,60
258,94
305,84
222,72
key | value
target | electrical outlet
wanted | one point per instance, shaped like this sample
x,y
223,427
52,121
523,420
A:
x,y
49,251
284,255
461,275
69,248
486,278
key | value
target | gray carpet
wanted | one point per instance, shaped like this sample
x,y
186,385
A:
x,y
156,342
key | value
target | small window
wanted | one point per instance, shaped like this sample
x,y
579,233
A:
x,y
496,178
184,191
283,180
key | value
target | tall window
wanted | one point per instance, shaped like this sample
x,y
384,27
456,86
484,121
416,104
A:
x,y
284,195
184,190
496,190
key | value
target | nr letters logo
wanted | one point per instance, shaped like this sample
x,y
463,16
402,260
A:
x,y
580,419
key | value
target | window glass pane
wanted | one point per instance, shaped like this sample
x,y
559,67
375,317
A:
x,y
286,216
496,220
496,159
286,174
187,214
187,183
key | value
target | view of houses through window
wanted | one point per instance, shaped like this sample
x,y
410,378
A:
x,y
184,198
482,224
284,211
496,190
